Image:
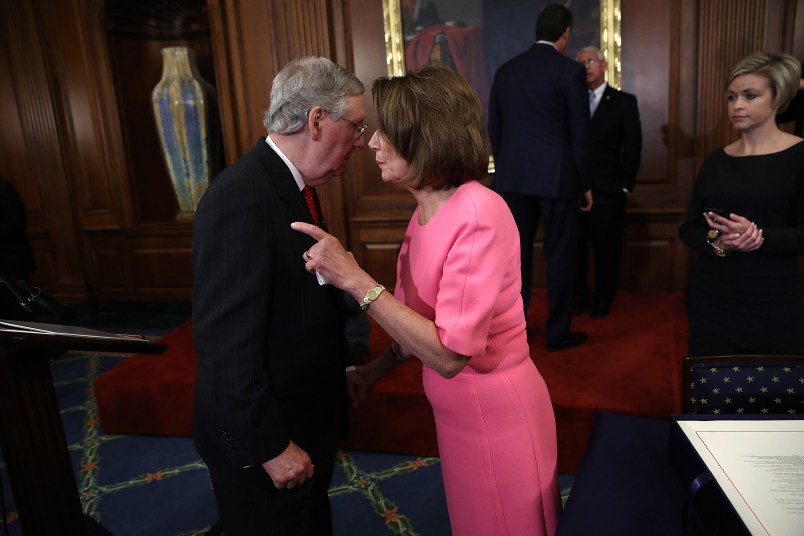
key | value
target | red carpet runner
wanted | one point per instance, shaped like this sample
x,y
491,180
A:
x,y
631,364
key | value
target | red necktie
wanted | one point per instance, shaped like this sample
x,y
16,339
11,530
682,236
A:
x,y
310,198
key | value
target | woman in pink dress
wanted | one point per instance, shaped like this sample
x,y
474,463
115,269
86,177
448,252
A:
x,y
457,307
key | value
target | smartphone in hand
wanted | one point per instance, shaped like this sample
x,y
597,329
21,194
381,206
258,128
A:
x,y
719,211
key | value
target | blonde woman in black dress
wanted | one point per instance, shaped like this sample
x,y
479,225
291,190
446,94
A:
x,y
746,221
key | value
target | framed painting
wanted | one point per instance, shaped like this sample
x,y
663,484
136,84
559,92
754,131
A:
x,y
475,37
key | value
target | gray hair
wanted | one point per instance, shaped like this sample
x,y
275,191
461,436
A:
x,y
594,50
781,70
304,83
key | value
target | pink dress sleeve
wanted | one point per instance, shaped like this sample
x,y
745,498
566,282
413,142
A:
x,y
474,272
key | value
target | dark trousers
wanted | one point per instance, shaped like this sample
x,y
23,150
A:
x,y
559,218
250,505
602,229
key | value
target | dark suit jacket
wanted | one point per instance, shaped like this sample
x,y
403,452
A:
x,y
270,340
616,140
538,123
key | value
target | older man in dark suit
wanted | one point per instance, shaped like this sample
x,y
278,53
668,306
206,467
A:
x,y
271,389
538,120
616,140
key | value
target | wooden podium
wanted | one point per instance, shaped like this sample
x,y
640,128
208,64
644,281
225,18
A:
x,y
31,432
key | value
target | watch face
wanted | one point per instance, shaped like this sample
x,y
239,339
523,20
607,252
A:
x,y
712,235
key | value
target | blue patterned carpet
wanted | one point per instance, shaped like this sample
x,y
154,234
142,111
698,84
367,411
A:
x,y
157,486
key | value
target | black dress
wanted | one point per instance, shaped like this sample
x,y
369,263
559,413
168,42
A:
x,y
748,303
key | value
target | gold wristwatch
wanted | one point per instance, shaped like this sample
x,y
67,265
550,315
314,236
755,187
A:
x,y
711,239
371,295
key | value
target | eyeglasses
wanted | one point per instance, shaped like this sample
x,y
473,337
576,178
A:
x,y
591,61
360,128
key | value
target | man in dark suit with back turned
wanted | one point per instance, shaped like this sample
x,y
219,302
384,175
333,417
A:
x,y
538,120
271,391
615,135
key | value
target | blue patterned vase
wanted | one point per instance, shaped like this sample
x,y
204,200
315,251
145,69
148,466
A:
x,y
185,108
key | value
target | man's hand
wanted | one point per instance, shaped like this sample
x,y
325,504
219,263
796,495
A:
x,y
586,201
357,386
289,469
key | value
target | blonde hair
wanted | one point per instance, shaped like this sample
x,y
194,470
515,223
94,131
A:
x,y
434,120
781,70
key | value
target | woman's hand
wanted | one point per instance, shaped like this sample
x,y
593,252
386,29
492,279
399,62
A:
x,y
357,386
336,265
361,380
736,232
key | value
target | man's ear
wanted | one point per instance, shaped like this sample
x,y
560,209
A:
x,y
314,119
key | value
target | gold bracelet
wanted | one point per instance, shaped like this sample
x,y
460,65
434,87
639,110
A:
x,y
719,251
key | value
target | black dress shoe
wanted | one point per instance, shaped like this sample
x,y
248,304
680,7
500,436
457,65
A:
x,y
571,339
599,311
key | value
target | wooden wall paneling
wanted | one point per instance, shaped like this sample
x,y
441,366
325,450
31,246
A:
x,y
13,164
26,29
379,246
142,265
151,279
653,36
650,250
252,41
245,64
684,76
729,30
646,70
779,26
377,213
229,68
108,272
79,64
301,28
647,264
371,198
797,20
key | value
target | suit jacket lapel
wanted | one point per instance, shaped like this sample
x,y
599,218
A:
x,y
288,192
603,106
284,184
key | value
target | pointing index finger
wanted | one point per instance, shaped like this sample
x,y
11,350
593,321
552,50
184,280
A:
x,y
308,229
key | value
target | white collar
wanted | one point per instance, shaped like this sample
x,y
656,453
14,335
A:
x,y
599,91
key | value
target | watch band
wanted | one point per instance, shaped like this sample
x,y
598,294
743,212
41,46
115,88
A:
x,y
719,251
711,238
371,296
